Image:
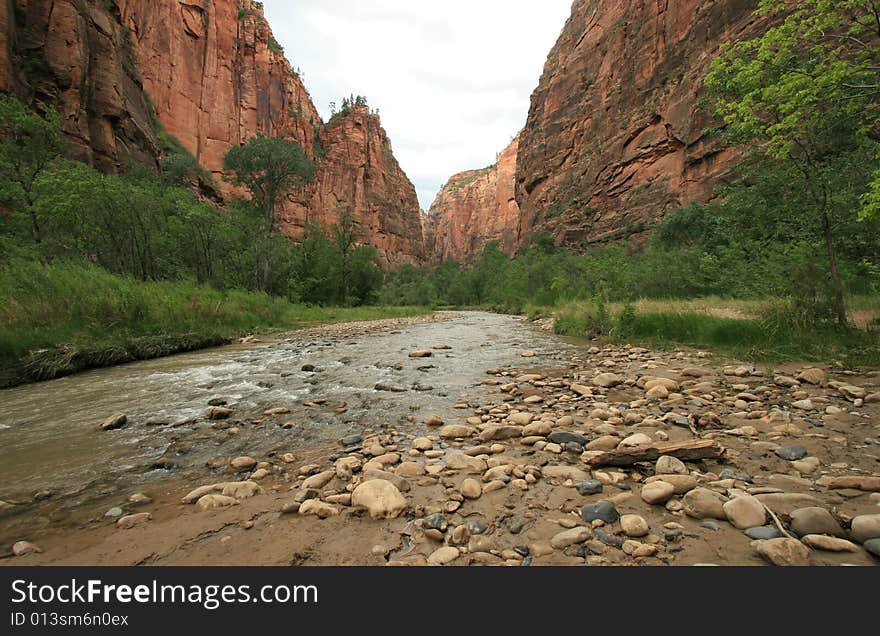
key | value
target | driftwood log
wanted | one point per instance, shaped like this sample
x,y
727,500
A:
x,y
690,450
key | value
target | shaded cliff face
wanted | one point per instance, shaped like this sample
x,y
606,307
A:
x,y
615,136
358,175
474,208
74,55
215,77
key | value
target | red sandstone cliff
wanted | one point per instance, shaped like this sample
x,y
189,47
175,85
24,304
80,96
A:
x,y
218,77
474,208
614,136
215,77
74,55
358,175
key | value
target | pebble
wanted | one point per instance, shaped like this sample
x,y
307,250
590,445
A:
x,y
130,521
784,552
212,502
24,548
454,431
872,546
829,544
657,492
745,512
791,453
814,520
589,487
702,503
603,511
243,463
444,556
422,444
471,489
634,526
607,380
114,422
866,527
114,513
317,508
667,465
381,498
570,537
763,533
320,480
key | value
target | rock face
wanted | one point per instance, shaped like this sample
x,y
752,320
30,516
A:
x,y
614,136
215,77
76,55
358,175
474,208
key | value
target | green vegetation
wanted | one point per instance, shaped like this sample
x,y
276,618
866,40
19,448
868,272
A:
x,y
100,268
348,104
751,245
799,223
808,92
67,316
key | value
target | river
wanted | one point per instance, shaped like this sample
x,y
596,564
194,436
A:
x,y
49,442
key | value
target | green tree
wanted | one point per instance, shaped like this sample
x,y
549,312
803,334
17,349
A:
x,y
30,146
803,90
269,168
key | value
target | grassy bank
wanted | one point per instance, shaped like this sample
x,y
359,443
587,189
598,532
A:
x,y
761,331
61,318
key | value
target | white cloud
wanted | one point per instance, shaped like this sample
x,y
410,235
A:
x,y
452,79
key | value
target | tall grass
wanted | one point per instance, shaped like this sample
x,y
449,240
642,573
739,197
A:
x,y
766,331
63,317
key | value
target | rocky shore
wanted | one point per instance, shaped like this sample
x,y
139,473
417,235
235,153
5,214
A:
x,y
623,456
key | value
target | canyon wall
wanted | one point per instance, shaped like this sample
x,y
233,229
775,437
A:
x,y
74,55
358,175
615,136
474,208
211,74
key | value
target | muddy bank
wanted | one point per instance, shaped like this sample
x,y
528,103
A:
x,y
565,455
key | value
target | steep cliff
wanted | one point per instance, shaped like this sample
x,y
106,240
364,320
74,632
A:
x,y
212,75
75,55
218,77
358,175
474,208
615,136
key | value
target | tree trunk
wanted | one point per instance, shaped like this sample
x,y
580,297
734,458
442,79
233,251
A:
x,y
836,282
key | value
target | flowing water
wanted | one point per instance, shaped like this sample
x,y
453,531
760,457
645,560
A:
x,y
49,441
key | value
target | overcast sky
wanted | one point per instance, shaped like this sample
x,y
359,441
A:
x,y
451,79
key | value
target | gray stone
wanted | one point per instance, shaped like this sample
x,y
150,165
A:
x,y
763,533
815,520
589,487
437,521
872,546
791,453
563,437
603,510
